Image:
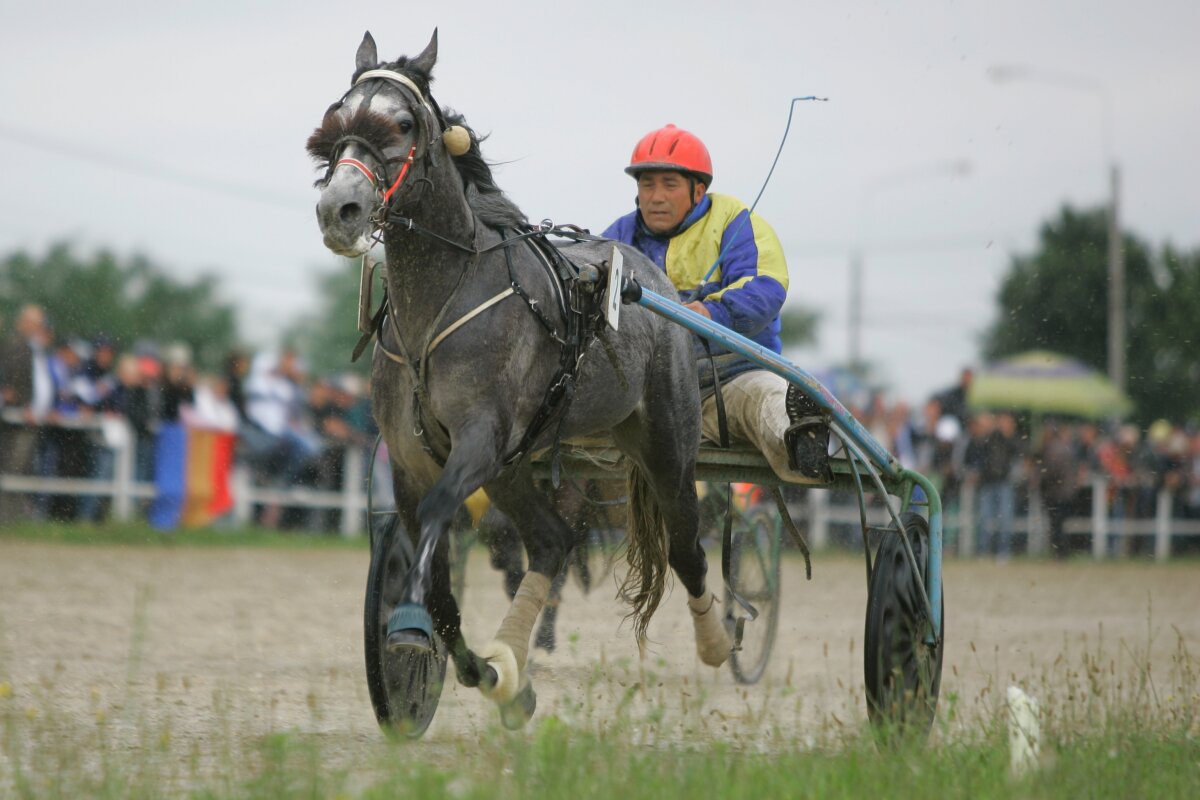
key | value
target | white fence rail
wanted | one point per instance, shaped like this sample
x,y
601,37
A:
x,y
1107,533
125,491
1104,530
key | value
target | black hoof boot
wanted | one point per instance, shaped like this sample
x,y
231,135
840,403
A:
x,y
471,670
578,560
410,628
546,638
807,438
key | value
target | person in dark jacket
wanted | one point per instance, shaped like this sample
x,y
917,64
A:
x,y
27,392
1059,483
997,457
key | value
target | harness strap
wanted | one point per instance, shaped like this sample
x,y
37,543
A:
x,y
370,334
465,318
790,525
441,337
575,311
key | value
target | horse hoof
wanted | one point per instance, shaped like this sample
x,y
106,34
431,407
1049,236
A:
x,y
502,663
410,629
408,641
514,715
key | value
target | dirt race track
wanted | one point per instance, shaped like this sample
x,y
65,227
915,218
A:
x,y
247,641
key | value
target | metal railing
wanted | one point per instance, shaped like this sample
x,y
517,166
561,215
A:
x,y
125,491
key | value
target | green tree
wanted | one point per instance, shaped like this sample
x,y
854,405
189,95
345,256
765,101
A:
x,y
328,339
1056,298
124,300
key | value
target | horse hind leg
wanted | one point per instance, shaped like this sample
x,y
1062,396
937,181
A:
x,y
547,637
662,495
508,557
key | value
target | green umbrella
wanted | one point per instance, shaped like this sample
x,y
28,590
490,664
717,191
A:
x,y
1042,382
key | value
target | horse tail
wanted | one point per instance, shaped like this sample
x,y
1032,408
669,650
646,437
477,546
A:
x,y
646,553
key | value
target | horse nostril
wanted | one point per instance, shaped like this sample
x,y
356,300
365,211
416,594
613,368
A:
x,y
350,212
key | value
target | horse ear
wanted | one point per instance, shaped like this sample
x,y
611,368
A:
x,y
367,56
428,57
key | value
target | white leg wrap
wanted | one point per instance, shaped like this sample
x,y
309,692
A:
x,y
522,615
508,675
507,652
712,642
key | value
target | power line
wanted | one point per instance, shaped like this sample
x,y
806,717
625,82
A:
x,y
140,166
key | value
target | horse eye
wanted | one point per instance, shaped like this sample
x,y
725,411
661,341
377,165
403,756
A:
x,y
405,125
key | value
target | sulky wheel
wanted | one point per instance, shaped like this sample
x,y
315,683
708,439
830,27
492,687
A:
x,y
903,670
405,687
754,573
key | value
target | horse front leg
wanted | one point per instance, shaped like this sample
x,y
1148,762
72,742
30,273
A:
x,y
474,458
546,538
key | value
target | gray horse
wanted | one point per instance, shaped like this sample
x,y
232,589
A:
x,y
473,370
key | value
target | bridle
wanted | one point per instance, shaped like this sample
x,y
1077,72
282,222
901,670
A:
x,y
386,197
384,214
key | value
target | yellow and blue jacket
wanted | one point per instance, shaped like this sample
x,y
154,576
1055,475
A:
x,y
746,291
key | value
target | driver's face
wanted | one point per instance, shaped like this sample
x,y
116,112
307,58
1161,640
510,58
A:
x,y
665,197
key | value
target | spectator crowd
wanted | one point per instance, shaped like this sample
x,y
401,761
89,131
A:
x,y
292,429
59,396
1007,459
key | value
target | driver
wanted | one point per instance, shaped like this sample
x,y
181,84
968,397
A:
x,y
685,230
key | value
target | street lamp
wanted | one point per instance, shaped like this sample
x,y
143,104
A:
x,y
954,168
1116,254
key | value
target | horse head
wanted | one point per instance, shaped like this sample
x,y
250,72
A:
x,y
378,144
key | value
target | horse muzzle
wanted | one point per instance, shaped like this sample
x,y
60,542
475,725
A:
x,y
345,221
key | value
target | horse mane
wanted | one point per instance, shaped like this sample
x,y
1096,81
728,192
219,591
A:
x,y
486,199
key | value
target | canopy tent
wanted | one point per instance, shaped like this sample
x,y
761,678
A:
x,y
1042,382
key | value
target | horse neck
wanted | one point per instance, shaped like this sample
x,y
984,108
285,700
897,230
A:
x,y
423,271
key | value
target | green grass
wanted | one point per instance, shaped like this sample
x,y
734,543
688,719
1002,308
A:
x,y
141,534
553,760
1107,732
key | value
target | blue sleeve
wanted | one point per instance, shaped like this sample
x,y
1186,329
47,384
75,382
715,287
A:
x,y
751,289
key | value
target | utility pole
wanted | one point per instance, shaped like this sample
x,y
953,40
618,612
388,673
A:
x,y
1116,284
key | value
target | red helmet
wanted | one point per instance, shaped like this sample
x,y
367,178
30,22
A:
x,y
674,149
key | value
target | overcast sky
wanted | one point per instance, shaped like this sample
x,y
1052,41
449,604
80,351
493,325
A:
x,y
177,129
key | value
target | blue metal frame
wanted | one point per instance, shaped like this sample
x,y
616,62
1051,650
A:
x,y
901,480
